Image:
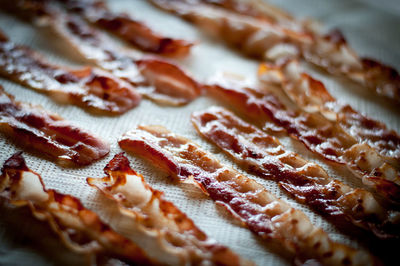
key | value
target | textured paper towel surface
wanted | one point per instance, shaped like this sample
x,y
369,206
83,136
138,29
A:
x,y
371,28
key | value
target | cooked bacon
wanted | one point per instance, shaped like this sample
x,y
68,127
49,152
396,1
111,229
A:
x,y
252,37
265,215
128,29
48,134
157,79
320,135
93,89
312,95
263,31
170,229
307,182
80,229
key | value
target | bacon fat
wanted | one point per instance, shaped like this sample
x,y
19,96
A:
x,y
48,134
263,155
248,201
90,88
80,229
320,135
170,229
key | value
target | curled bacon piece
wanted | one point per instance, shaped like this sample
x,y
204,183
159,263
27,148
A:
x,y
128,29
48,134
263,31
170,229
263,155
248,201
156,79
320,135
91,88
80,229
312,95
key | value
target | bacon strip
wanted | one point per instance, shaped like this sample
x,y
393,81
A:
x,y
248,201
307,182
263,31
128,29
312,96
318,134
156,79
48,134
160,220
93,89
252,37
80,229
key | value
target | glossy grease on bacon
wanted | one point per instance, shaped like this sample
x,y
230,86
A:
x,y
48,134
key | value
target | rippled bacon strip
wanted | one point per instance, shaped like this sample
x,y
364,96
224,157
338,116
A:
x,y
93,89
178,239
318,134
248,201
48,134
156,79
128,29
312,95
264,156
263,31
80,229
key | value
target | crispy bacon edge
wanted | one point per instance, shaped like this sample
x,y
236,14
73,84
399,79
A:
x,y
80,229
327,50
248,201
90,88
128,29
48,134
317,133
312,96
307,182
159,217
